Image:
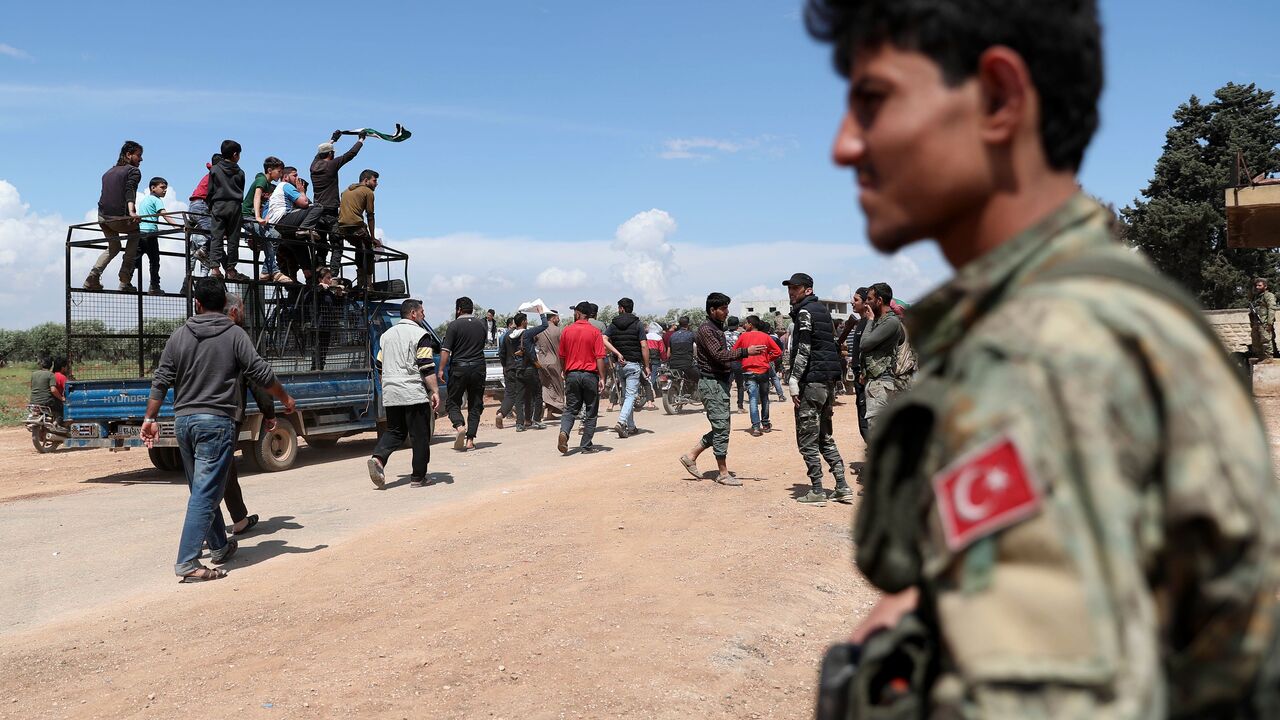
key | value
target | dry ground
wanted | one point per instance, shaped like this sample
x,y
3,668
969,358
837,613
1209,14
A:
x,y
599,586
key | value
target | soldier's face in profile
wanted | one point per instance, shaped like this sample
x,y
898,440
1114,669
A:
x,y
914,143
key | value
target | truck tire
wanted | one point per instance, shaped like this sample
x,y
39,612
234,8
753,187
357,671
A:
x,y
167,459
276,450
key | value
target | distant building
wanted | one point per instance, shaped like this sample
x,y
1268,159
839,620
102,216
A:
x,y
766,309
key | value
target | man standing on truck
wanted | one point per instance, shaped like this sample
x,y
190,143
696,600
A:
x,y
204,361
406,359
118,214
324,176
463,355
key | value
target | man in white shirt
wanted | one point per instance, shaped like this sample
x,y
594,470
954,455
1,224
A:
x,y
406,359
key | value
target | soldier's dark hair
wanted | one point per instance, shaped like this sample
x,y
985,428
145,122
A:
x,y
626,305
520,319
59,364
884,292
862,293
44,362
229,148
592,309
157,180
211,294
732,321
717,300
366,174
409,307
128,148
271,163
464,305
1060,41
683,321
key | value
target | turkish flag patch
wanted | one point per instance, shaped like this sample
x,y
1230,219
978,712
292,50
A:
x,y
987,490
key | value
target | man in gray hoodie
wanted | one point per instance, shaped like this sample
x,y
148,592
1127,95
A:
x,y
204,362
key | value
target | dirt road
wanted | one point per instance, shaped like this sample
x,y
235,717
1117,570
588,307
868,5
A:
x,y
518,584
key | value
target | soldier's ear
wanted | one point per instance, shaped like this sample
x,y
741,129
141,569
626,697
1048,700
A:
x,y
1007,95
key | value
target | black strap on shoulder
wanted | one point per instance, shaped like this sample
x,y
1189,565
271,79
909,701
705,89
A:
x,y
1126,271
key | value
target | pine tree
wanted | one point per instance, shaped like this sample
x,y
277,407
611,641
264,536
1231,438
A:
x,y
1181,223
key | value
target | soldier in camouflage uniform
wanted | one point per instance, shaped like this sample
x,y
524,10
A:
x,y
1262,319
815,368
1072,510
879,345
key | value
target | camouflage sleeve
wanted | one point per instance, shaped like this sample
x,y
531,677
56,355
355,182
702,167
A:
x,y
803,340
1267,312
1073,573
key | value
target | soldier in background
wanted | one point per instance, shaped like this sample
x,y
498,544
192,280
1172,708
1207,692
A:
x,y
1262,320
1072,510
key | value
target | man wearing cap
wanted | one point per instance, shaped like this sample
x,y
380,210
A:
x,y
324,180
582,357
815,368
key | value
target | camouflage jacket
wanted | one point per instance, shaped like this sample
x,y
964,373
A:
x,y
1080,487
1263,308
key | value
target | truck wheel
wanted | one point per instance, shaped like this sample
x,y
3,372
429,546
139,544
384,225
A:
x,y
276,450
165,458
43,441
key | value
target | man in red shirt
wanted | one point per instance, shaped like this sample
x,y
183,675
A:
x,y
755,371
582,360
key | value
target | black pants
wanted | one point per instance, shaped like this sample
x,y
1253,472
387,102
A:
x,y
738,380
415,421
582,395
466,382
862,409
357,236
526,386
149,245
224,234
232,497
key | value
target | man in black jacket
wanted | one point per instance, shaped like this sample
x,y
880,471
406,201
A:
x,y
815,368
225,199
324,180
463,355
625,338
524,389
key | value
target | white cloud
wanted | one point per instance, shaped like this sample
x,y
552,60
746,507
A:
x,y
14,52
32,248
649,256
554,278
450,284
704,148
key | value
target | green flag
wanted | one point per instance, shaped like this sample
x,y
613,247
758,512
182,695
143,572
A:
x,y
400,135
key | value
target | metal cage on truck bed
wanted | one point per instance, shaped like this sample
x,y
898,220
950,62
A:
x,y
112,334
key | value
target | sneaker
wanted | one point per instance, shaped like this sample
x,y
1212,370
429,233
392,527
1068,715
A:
x,y
756,431
233,276
377,473
842,493
539,426
815,497
622,430
127,287
497,421
521,428
562,443
460,439
767,427
203,256
220,557
728,479
92,282
155,290
418,482
589,449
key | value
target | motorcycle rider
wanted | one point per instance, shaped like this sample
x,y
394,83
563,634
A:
x,y
682,357
44,388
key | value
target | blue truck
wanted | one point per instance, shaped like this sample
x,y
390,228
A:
x,y
321,341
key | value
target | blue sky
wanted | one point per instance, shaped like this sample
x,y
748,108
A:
x,y
561,149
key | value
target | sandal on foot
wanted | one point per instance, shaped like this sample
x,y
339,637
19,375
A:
x,y
728,479
227,553
249,523
202,574
691,466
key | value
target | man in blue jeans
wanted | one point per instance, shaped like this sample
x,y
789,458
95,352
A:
x,y
625,337
204,362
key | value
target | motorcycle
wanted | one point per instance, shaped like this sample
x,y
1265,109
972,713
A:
x,y
677,391
47,433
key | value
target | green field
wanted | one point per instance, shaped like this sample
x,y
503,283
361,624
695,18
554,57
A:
x,y
15,390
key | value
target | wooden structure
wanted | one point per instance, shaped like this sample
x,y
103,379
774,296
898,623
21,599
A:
x,y
1253,209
